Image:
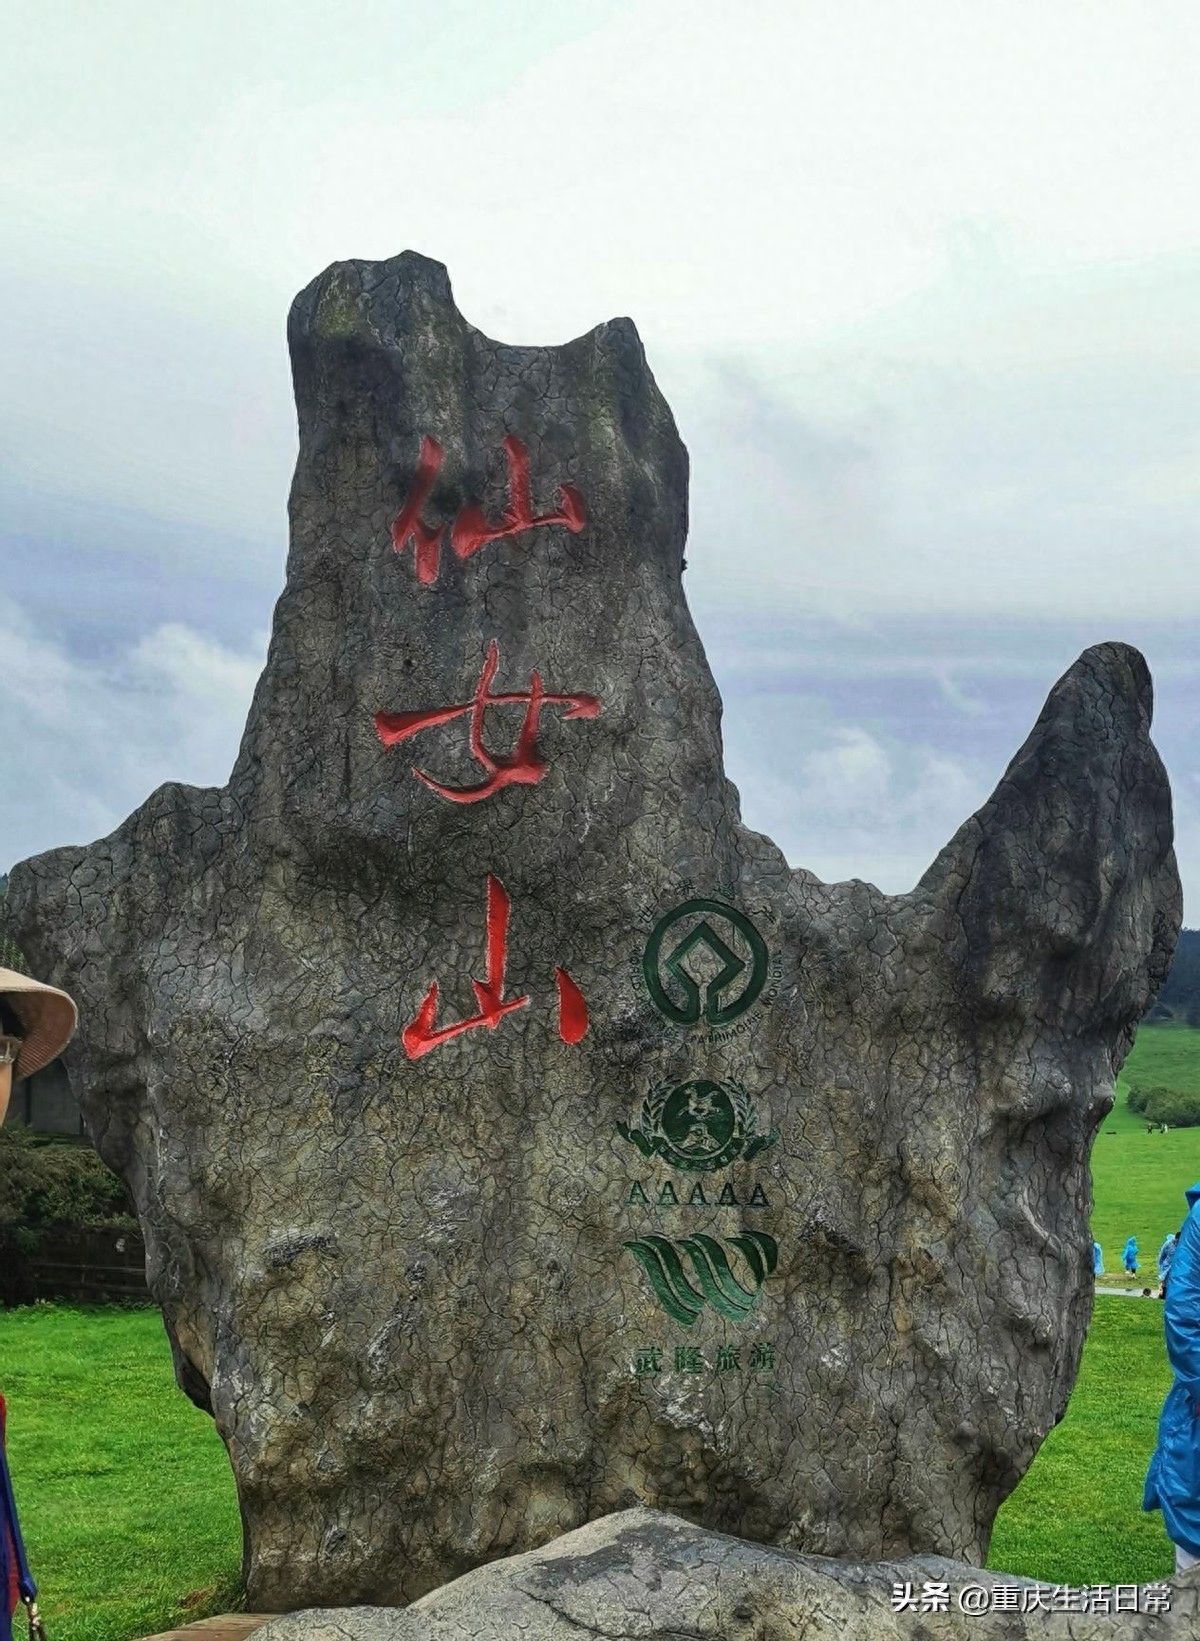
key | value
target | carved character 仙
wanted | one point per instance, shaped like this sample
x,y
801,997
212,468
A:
x,y
470,530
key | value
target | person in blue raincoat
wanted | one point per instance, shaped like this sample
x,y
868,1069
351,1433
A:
x,y
1130,1256
1097,1259
1173,1480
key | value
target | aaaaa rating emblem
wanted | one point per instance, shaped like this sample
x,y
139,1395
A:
x,y
698,1126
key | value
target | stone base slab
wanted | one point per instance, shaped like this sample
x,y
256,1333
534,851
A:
x,y
225,1627
644,1575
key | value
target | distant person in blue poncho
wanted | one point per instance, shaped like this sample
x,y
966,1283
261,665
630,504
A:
x,y
1130,1256
1173,1480
1097,1259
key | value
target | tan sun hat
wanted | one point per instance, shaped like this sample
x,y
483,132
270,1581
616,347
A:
x,y
47,1014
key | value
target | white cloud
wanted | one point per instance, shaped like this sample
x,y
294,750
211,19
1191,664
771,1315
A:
x,y
93,739
849,778
921,283
870,811
127,402
199,673
842,800
1034,454
1185,791
737,181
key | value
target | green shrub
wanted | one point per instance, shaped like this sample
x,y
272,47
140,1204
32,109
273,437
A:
x,y
1175,1109
1170,1105
44,1183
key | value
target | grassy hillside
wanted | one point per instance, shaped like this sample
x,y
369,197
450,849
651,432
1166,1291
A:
x,y
131,1519
1077,1517
1138,1179
127,1502
1166,1053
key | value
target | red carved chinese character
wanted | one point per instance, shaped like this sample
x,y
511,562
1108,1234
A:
x,y
427,542
421,1037
524,768
471,530
572,1009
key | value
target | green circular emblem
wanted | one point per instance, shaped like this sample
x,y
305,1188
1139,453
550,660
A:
x,y
698,1126
708,932
697,1122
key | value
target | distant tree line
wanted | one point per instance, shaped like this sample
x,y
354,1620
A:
x,y
1180,997
1164,1106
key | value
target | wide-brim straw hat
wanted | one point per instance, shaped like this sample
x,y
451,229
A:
x,y
47,1014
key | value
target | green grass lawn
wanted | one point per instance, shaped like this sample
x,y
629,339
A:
x,y
131,1520
1138,1179
126,1498
128,1501
1076,1517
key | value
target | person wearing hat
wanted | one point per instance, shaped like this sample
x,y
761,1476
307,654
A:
x,y
36,1024
1173,1480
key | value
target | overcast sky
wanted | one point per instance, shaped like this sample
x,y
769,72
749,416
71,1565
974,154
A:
x,y
921,283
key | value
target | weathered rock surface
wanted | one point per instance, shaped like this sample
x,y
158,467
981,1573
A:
x,y
793,1241
646,1576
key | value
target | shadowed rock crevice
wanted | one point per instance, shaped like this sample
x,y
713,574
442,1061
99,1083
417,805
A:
x,y
769,1206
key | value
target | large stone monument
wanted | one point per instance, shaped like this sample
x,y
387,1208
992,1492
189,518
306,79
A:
x,y
517,1138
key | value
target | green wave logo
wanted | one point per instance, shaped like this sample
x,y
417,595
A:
x,y
716,1284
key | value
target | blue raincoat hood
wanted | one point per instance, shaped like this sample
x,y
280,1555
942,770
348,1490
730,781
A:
x,y
1173,1480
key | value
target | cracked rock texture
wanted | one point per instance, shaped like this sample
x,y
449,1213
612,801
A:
x,y
854,1127
643,1575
